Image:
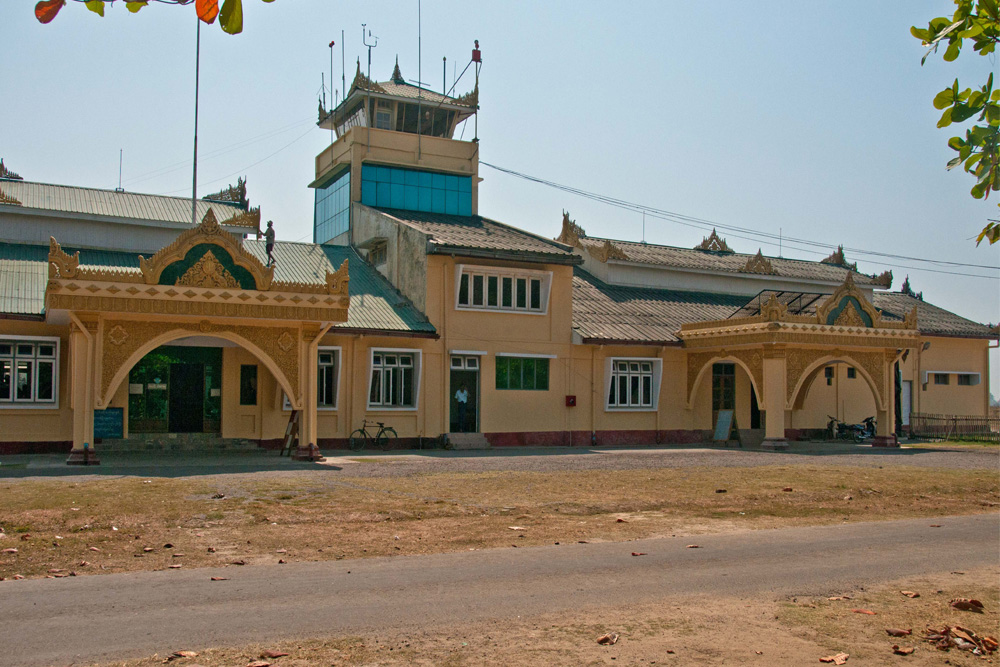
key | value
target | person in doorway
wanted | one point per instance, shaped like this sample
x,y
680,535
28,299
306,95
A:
x,y
462,398
269,242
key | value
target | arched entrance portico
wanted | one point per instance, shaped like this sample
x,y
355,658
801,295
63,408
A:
x,y
784,352
203,284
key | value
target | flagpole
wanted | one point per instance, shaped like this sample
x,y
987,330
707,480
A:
x,y
194,177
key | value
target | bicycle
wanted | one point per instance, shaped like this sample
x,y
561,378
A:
x,y
361,438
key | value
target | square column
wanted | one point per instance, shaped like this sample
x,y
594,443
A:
x,y
886,429
81,369
774,400
307,449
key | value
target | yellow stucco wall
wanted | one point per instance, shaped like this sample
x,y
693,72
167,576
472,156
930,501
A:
x,y
40,424
949,355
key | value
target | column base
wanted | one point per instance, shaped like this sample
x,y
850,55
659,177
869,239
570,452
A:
x,y
774,444
885,441
83,457
308,453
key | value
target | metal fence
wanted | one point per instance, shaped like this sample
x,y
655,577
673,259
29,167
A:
x,y
953,427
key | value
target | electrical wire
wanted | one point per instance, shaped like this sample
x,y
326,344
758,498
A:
x,y
744,232
251,166
209,155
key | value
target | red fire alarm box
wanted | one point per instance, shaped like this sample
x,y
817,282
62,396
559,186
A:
x,y
570,401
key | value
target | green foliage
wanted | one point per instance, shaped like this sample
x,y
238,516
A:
x,y
976,22
230,17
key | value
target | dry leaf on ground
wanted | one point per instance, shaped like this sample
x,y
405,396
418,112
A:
x,y
966,604
608,639
839,659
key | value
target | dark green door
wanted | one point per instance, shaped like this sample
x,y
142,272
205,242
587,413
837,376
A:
x,y
187,398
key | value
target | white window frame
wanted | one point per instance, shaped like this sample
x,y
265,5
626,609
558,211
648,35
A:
x,y
500,273
609,377
14,403
417,376
286,405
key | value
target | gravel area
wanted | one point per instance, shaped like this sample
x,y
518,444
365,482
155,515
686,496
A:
x,y
548,459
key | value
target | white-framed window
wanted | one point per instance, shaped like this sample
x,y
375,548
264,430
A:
x,y
327,380
502,289
29,372
394,383
632,383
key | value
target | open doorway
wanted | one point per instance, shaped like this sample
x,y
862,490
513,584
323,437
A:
x,y
464,414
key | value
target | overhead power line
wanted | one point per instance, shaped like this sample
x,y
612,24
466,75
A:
x,y
748,233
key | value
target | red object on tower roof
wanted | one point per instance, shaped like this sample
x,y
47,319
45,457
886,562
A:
x,y
477,56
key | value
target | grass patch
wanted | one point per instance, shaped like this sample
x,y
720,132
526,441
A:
x,y
119,525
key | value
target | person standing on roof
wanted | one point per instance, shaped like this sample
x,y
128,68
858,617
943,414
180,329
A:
x,y
269,242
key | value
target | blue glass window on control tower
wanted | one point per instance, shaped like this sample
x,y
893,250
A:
x,y
333,209
412,190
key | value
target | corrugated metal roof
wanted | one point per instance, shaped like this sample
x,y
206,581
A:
x,y
24,272
112,204
725,262
22,287
642,315
475,232
931,320
375,304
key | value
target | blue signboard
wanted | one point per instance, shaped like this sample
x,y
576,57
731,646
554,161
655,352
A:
x,y
109,423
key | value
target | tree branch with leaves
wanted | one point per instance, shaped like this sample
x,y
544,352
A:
x,y
230,15
978,22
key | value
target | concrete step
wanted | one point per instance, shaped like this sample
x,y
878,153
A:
x,y
467,441
176,442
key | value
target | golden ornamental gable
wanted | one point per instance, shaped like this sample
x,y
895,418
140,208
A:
x,y
7,199
713,243
759,264
208,232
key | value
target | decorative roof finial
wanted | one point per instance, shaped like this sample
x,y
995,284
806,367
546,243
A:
x,y
397,76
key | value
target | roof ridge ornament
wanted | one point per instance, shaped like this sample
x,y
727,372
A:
x,y
759,264
713,243
470,99
8,174
363,82
7,199
397,76
606,251
236,194
837,258
883,279
571,232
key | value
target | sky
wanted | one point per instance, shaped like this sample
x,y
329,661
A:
x,y
808,120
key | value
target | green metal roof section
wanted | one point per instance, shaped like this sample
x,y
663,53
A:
x,y
375,304
24,272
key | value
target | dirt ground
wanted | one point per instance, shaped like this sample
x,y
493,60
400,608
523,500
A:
x,y
57,528
679,631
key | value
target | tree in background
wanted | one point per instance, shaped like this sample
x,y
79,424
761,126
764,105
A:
x,y
976,21
230,16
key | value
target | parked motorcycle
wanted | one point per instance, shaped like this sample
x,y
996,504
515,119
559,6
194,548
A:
x,y
838,430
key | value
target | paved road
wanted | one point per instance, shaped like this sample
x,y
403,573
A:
x,y
56,621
